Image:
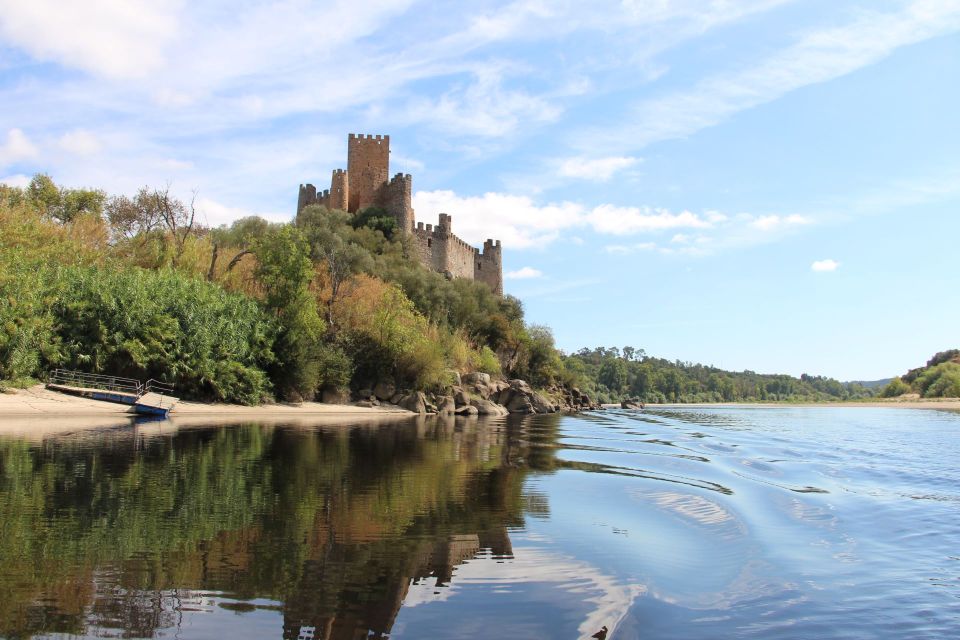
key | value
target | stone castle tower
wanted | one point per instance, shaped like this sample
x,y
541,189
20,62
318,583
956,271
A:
x,y
365,183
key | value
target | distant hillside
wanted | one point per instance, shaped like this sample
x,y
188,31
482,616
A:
x,y
939,378
871,384
611,375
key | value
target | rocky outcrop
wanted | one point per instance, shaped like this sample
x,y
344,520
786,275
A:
x,y
488,407
631,403
572,399
478,394
335,396
384,391
518,397
446,405
415,402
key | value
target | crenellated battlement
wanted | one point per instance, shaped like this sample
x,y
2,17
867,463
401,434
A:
x,y
366,183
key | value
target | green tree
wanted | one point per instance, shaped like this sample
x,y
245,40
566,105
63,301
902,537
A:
x,y
284,270
613,374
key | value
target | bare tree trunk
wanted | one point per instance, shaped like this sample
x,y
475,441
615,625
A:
x,y
213,262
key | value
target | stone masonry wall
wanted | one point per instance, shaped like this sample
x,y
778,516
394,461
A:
x,y
489,266
364,184
399,201
339,190
446,253
368,160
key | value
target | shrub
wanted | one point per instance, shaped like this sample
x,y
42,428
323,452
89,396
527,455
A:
x,y
943,380
894,388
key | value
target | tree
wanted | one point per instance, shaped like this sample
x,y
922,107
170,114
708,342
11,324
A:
x,y
62,204
285,271
375,218
324,231
613,374
152,210
894,388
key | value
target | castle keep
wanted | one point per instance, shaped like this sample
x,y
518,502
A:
x,y
366,183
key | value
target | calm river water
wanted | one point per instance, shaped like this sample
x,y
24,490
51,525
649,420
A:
x,y
668,523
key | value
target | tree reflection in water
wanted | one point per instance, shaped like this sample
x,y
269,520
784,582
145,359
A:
x,y
125,530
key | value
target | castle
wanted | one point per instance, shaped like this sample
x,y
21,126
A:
x,y
365,183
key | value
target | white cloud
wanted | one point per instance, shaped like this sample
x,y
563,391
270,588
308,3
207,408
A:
x,y
18,180
524,273
516,220
597,169
521,223
825,265
175,165
80,142
773,222
114,38
818,56
213,214
17,147
630,220
624,249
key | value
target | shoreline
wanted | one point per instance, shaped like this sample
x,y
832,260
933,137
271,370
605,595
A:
x,y
40,410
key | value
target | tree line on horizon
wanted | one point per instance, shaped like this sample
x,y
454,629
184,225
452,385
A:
x,y
629,373
255,311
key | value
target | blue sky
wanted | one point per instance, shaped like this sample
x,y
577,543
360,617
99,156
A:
x,y
766,184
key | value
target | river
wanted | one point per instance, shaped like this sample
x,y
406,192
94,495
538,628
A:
x,y
673,523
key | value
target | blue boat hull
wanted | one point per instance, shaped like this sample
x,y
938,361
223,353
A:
x,y
151,411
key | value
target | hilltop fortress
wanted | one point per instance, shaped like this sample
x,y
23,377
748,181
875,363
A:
x,y
365,183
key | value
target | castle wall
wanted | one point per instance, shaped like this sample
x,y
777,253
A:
x,y
438,248
424,248
368,160
489,266
339,190
306,197
399,201
364,184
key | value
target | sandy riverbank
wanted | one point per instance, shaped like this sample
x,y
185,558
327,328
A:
x,y
38,409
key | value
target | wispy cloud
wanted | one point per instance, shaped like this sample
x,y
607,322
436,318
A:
x,y
113,38
522,223
631,220
524,273
818,56
597,169
17,147
80,142
773,222
18,180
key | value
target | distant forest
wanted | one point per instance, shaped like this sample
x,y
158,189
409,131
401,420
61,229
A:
x,y
614,374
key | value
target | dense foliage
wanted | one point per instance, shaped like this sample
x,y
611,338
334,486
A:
x,y
132,286
612,374
939,378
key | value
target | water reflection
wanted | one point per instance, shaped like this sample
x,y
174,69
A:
x,y
682,523
125,530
